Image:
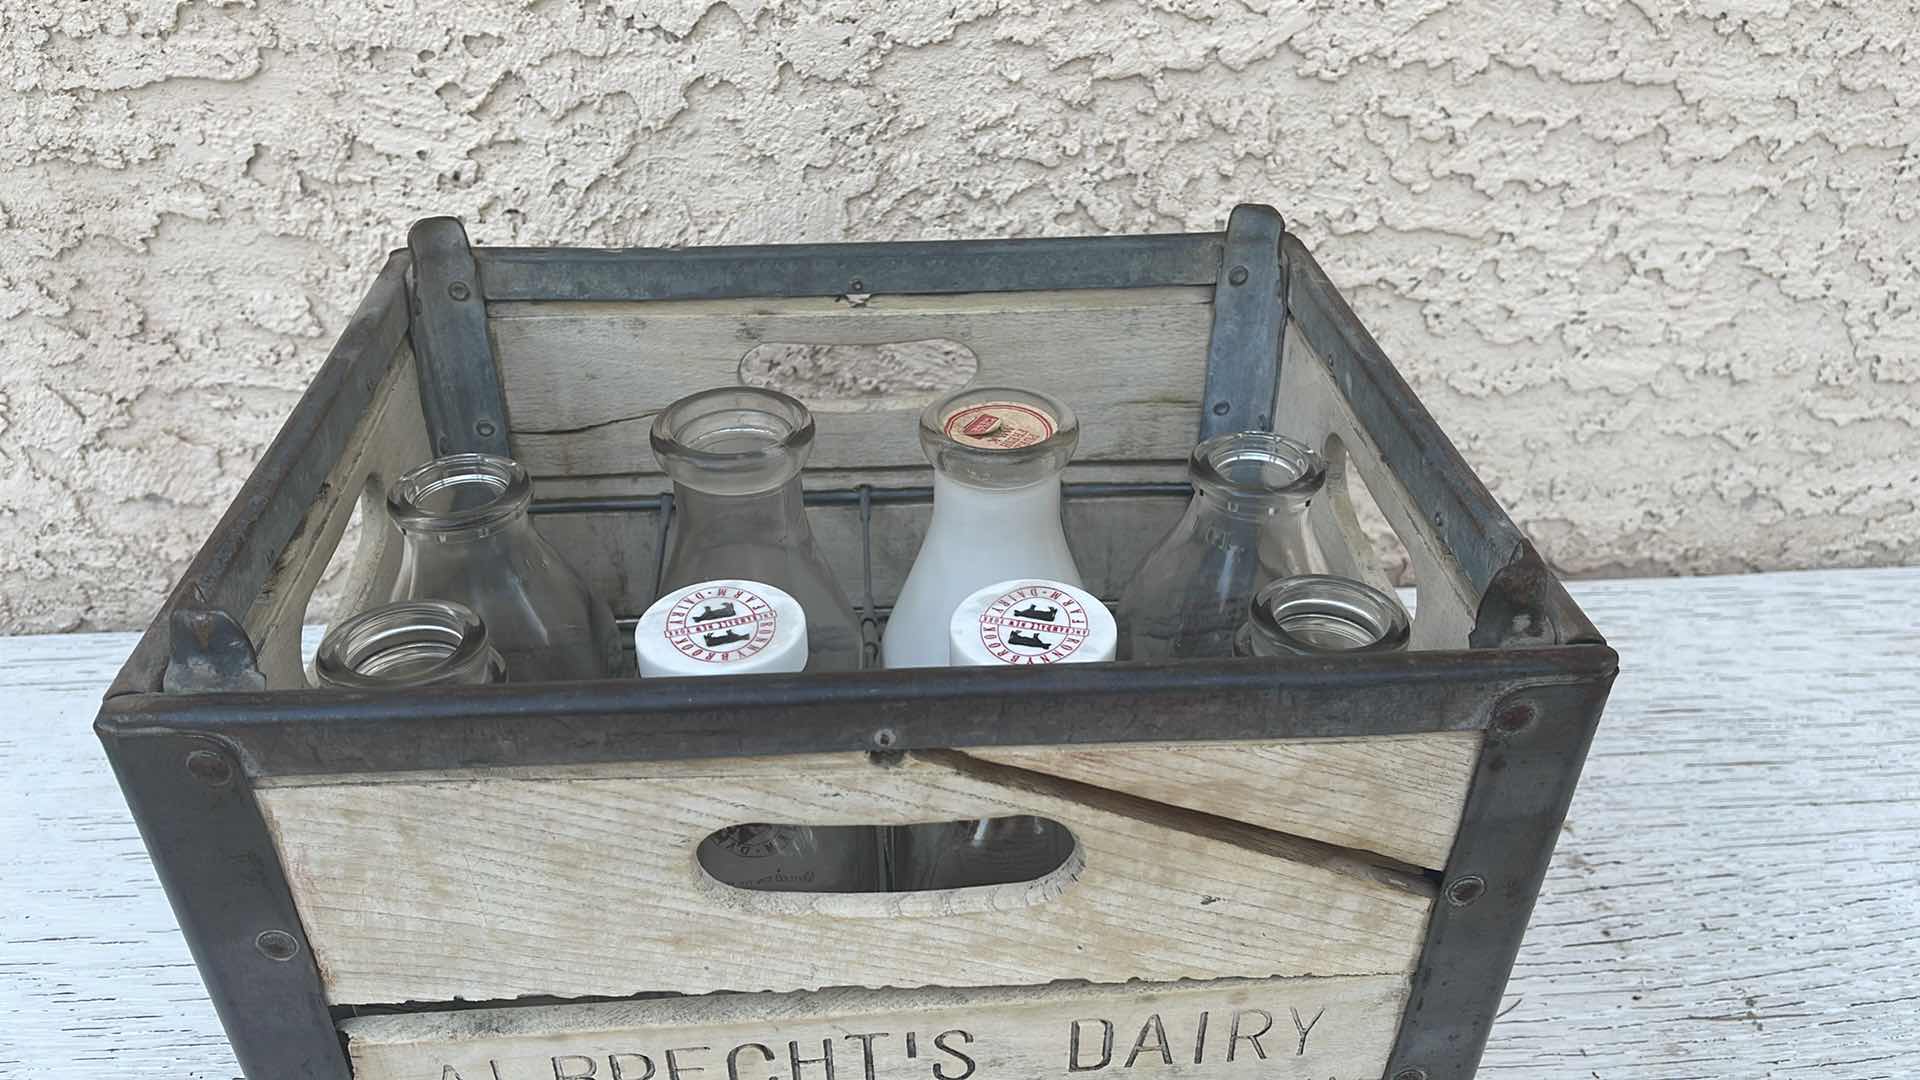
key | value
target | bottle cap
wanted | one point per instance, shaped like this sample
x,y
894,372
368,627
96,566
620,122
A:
x,y
998,436
999,425
1030,621
721,628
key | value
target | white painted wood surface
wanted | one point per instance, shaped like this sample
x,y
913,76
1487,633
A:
x,y
1737,892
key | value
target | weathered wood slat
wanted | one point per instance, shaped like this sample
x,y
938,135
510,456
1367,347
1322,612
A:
x,y
501,887
390,439
1398,796
1311,409
584,380
1276,1029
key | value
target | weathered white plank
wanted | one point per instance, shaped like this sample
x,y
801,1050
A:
x,y
1746,829
1737,890
583,381
494,887
1279,1029
94,977
1400,796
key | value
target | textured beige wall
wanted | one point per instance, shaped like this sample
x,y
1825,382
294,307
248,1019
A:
x,y
1656,267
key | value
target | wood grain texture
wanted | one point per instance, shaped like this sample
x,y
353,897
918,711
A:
x,y
390,439
498,887
1746,829
1310,408
94,976
583,381
1737,889
1279,1029
1398,796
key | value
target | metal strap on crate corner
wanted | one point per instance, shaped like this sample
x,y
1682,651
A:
x,y
217,862
460,393
1249,320
1516,804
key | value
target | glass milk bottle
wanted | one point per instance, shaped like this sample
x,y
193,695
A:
x,y
406,644
735,627
1246,525
735,456
464,518
1315,615
997,456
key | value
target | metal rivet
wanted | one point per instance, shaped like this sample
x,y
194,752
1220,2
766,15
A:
x,y
277,945
459,291
1237,276
1466,890
210,768
1222,408
485,428
884,738
1411,1072
1514,719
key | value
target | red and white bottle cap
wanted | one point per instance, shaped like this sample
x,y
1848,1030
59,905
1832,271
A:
x,y
1030,621
721,628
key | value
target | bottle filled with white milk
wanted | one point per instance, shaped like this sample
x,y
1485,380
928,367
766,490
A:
x,y
997,457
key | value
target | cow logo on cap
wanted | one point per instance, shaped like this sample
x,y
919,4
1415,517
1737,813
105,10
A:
x,y
1033,624
721,624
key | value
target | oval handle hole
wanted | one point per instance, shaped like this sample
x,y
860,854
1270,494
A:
x,y
900,375
930,857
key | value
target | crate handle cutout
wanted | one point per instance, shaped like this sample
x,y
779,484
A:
x,y
845,377
1044,872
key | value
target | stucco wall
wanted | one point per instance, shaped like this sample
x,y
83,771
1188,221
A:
x,y
1656,267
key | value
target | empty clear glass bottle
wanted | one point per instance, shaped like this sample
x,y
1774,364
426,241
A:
x,y
734,455
468,540
1247,524
1314,614
408,643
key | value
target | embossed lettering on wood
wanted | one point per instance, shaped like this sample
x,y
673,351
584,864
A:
x,y
1274,1029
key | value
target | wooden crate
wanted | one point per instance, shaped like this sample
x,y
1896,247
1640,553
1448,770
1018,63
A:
x,y
1293,868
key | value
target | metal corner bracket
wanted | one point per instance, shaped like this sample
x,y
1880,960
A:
x,y
194,802
1249,323
460,392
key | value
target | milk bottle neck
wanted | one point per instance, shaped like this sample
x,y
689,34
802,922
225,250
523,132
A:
x,y
1039,497
777,515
